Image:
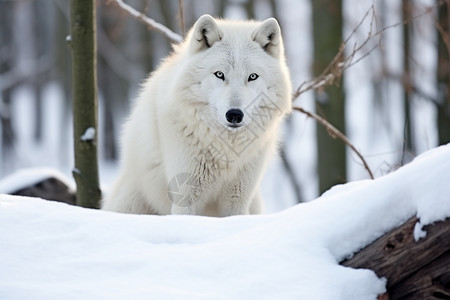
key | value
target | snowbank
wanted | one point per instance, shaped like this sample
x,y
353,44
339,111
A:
x,y
55,251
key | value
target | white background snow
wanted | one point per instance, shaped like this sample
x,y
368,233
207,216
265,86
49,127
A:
x,y
56,251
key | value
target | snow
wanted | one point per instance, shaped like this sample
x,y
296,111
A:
x,y
28,177
55,251
419,232
88,135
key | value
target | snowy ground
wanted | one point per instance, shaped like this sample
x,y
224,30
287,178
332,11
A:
x,y
51,250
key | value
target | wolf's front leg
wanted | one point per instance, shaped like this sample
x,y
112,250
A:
x,y
186,210
256,205
235,199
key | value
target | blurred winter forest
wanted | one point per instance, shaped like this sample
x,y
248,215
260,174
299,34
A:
x,y
387,90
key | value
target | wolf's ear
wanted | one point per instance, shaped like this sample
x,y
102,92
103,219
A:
x,y
205,33
268,35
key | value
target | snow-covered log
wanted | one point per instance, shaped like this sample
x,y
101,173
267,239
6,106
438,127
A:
x,y
45,183
414,269
50,250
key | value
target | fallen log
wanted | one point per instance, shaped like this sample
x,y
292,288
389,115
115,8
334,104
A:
x,y
414,270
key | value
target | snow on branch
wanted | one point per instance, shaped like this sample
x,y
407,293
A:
x,y
152,24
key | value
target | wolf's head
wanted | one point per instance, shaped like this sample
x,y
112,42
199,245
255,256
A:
x,y
236,72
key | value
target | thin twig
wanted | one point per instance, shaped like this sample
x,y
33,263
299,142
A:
x,y
115,59
152,24
335,133
291,175
19,74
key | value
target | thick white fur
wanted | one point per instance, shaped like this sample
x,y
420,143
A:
x,y
178,124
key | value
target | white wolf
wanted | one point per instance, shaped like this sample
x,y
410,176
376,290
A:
x,y
205,123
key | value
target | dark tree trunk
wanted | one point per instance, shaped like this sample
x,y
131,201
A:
x,y
408,149
327,23
443,75
84,93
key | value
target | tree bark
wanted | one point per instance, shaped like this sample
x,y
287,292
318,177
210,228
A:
x,y
84,94
443,74
408,146
414,270
327,23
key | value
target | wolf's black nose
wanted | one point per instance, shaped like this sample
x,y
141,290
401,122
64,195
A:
x,y
234,116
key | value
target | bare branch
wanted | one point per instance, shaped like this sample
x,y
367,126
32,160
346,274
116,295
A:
x,y
333,72
291,175
20,74
152,24
341,62
335,133
115,59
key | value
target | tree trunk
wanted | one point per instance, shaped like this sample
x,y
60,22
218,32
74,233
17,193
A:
x,y
443,76
408,150
327,23
84,93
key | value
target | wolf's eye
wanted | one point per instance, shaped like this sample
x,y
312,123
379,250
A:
x,y
219,75
253,76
